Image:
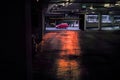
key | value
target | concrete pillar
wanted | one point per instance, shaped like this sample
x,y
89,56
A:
x,y
85,22
28,39
112,19
40,23
18,42
99,21
43,22
55,22
81,21
73,24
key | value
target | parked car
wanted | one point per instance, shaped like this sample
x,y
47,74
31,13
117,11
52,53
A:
x,y
62,25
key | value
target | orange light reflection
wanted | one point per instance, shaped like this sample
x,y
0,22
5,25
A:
x,y
70,43
68,69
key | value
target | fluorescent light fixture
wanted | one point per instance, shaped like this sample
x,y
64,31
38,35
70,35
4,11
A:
x,y
67,3
117,3
107,5
63,4
91,7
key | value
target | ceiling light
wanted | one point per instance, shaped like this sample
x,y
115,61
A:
x,y
117,3
91,7
37,0
107,5
67,3
63,4
112,5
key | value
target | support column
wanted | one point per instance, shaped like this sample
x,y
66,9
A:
x,y
14,46
81,21
112,19
85,22
55,22
40,23
99,21
43,22
28,39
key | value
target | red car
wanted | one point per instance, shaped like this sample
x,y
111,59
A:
x,y
62,25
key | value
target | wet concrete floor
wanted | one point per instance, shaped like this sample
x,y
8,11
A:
x,y
78,55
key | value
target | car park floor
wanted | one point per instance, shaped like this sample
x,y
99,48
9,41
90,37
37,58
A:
x,y
77,55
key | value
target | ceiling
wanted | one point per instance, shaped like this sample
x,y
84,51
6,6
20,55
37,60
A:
x,y
83,6
82,1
